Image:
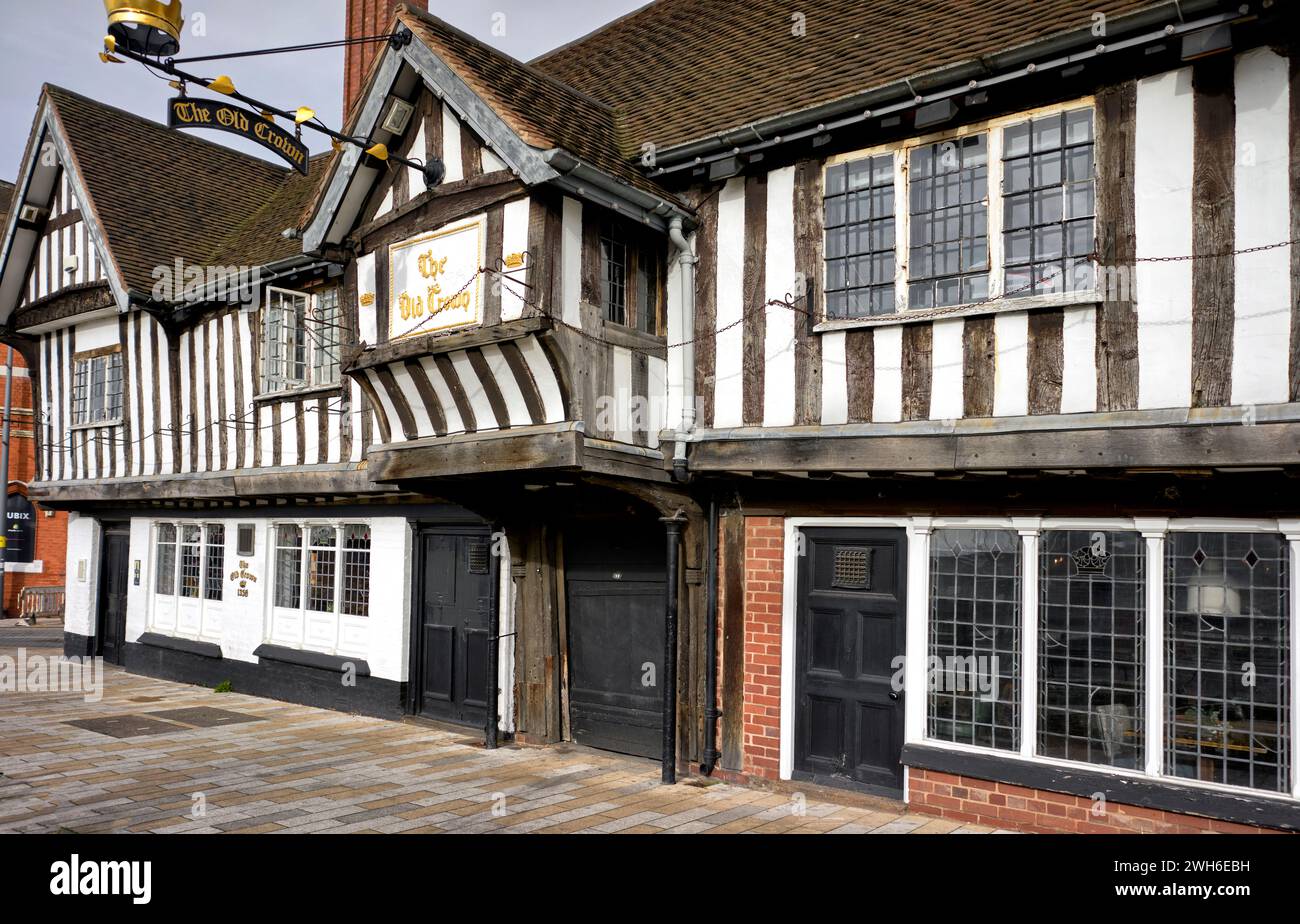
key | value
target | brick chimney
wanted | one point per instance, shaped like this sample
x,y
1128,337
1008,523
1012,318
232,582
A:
x,y
366,17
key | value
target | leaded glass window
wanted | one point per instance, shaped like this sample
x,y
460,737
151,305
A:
x,y
165,575
288,566
1049,204
324,335
974,637
215,561
191,560
1227,718
97,389
860,238
948,256
1090,647
356,570
322,558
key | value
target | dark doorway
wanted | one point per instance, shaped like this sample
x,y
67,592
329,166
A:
x,y
110,621
851,625
449,647
615,579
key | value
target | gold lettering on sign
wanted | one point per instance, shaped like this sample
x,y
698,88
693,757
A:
x,y
190,113
243,576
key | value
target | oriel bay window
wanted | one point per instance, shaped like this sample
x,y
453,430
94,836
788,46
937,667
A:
x,y
188,579
1158,649
321,594
999,210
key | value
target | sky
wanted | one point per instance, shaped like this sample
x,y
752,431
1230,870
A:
x,y
57,41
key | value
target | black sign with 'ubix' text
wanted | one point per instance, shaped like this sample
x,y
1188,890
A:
x,y
183,112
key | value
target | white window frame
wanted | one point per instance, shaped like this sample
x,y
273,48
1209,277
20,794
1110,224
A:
x,y
198,618
316,332
997,300
1153,529
81,403
305,629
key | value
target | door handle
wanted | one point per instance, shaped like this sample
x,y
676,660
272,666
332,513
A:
x,y
894,695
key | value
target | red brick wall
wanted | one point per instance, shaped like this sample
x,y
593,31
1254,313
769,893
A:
x,y
366,17
1003,805
51,531
764,551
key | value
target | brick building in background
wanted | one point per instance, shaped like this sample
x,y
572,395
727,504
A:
x,y
36,561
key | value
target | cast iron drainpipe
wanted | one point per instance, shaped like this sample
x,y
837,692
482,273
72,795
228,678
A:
x,y
494,629
686,259
711,712
673,529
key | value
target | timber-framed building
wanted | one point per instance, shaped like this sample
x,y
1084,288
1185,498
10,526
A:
x,y
907,403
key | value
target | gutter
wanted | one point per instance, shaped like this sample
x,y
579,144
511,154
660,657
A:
x,y
945,83
587,182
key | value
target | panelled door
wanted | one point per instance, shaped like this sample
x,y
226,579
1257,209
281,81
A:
x,y
851,626
110,628
454,593
615,614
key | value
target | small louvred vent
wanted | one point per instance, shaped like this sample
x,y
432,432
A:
x,y
477,555
852,568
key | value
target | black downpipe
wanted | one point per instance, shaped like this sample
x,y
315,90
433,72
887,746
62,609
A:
x,y
493,640
711,712
673,528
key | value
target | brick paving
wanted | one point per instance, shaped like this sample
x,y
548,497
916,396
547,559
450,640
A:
x,y
296,769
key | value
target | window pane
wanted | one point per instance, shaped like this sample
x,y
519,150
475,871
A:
x,y
974,656
1091,642
324,332
288,567
191,569
216,562
1048,190
356,570
322,559
613,272
863,231
948,198
165,579
1227,718
285,362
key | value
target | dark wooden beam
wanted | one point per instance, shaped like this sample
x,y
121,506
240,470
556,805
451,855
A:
x,y
1199,446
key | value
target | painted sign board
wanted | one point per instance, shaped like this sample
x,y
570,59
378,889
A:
x,y
435,283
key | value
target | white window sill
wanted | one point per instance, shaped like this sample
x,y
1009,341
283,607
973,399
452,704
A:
x,y
298,391
97,424
975,309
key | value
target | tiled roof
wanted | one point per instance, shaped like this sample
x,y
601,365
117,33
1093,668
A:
x,y
544,112
161,194
6,198
683,70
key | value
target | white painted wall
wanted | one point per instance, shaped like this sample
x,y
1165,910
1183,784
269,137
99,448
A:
x,y
82,589
1263,296
1163,219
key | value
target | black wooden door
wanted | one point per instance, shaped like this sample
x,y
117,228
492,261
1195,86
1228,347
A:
x,y
110,629
851,627
615,613
451,625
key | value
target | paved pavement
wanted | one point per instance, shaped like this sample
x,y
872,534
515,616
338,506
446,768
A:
x,y
157,756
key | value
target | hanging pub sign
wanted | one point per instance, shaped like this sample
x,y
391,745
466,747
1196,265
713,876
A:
x,y
434,279
20,531
185,112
